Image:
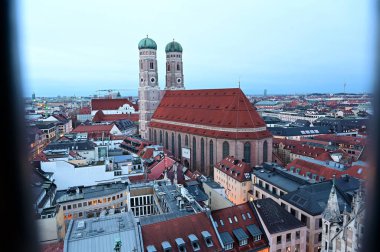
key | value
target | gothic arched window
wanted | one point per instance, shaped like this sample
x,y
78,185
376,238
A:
x,y
179,146
247,152
186,141
155,136
226,149
161,137
211,153
173,149
178,68
151,65
265,151
168,67
194,152
202,155
166,141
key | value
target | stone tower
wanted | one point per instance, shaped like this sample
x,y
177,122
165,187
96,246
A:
x,y
174,66
149,91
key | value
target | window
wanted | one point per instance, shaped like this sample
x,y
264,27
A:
x,y
202,155
141,64
298,235
257,238
150,134
211,153
74,206
288,237
166,140
151,65
155,137
274,190
243,242
247,152
160,136
84,204
249,215
173,149
64,208
221,222
68,207
79,204
168,67
230,220
279,239
194,153
228,246
226,149
235,218
179,146
319,237
265,151
178,67
186,141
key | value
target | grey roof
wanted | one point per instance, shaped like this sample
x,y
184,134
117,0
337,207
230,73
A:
x,y
275,218
240,234
298,131
145,220
197,193
72,145
213,184
313,198
254,230
280,178
89,192
122,158
99,234
226,238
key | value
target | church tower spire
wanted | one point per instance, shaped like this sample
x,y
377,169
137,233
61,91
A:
x,y
174,66
149,91
332,212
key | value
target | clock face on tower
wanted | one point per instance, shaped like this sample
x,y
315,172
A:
x,y
153,80
179,80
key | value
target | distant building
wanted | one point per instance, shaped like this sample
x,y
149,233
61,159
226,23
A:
x,y
268,105
113,106
284,231
217,195
298,133
104,234
99,131
50,130
235,176
84,114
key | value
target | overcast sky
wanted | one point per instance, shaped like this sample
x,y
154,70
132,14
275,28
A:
x,y
298,46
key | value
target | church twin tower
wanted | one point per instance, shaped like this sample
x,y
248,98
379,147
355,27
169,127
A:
x,y
149,90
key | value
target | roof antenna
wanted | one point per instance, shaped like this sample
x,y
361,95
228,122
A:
x,y
239,82
147,36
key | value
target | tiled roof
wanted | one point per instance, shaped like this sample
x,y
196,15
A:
x,y
347,140
230,109
313,198
182,227
157,171
101,117
275,217
111,104
305,166
84,111
52,247
236,218
299,147
235,168
93,128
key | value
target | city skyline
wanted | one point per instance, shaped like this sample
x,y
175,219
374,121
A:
x,y
65,51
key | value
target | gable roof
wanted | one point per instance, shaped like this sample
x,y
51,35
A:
x,y
235,168
182,227
276,219
94,128
101,117
233,222
111,104
189,111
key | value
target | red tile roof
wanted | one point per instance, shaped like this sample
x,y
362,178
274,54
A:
x,y
106,128
347,140
234,168
85,111
157,171
111,104
237,211
356,171
229,108
155,234
101,117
